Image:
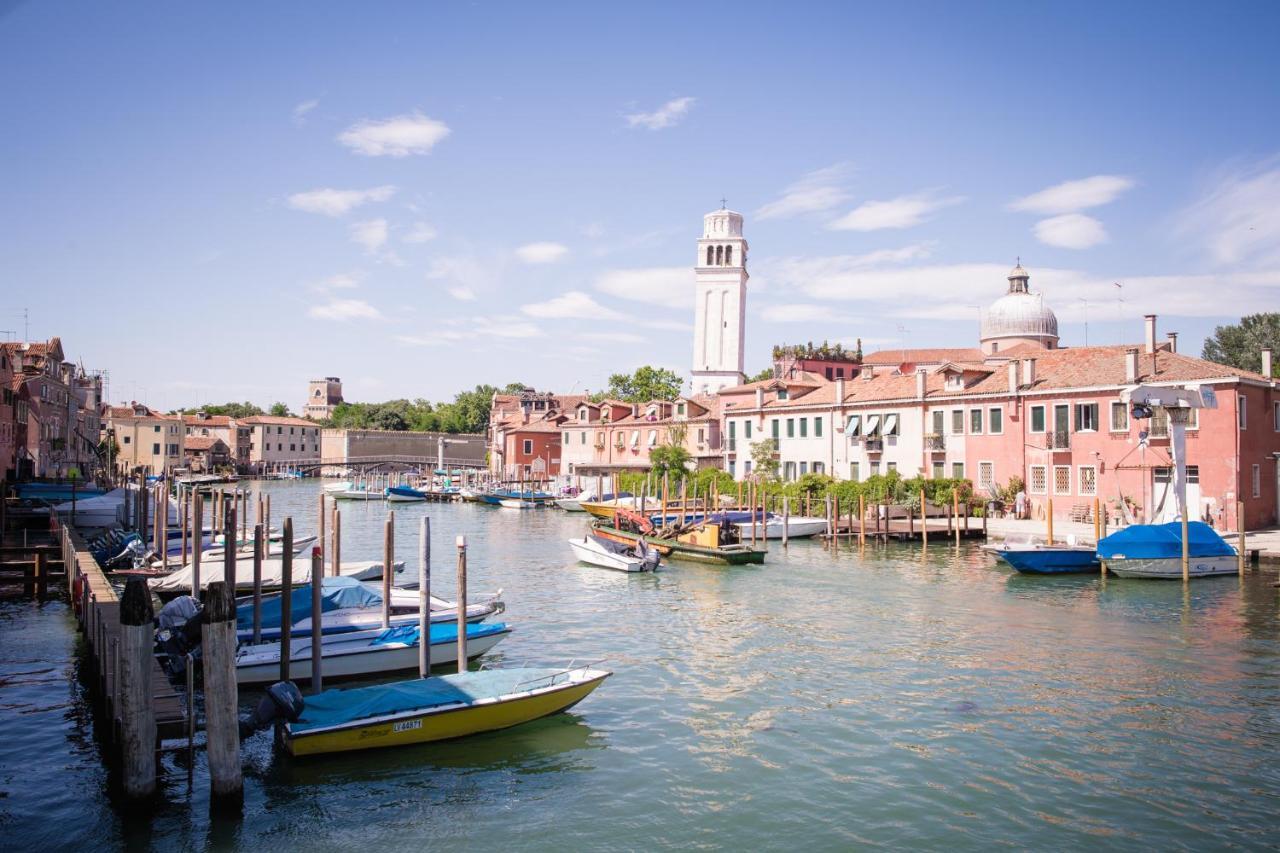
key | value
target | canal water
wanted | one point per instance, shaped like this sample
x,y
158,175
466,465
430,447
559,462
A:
x,y
824,700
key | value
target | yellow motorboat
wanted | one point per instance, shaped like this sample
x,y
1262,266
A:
x,y
438,708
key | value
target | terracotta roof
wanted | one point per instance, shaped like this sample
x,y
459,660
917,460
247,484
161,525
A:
x,y
141,411
207,420
926,356
802,378
202,442
537,426
275,420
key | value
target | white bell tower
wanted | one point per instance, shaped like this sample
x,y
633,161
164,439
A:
x,y
720,312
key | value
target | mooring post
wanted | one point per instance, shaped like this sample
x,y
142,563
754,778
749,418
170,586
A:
x,y
1240,534
1048,519
267,514
320,539
388,556
462,601
1097,522
786,520
137,717
862,520
924,521
221,697
286,598
317,639
257,587
184,517
337,540
424,597
198,504
42,575
229,546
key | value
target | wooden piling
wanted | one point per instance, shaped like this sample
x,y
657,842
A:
x,y
462,602
266,513
317,639
286,598
198,505
337,541
41,561
1049,519
183,517
1186,550
924,521
862,519
1097,522
229,546
221,697
320,542
135,710
424,597
388,556
1240,544
786,520
162,521
257,588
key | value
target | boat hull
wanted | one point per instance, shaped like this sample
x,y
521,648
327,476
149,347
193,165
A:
x,y
445,723
731,555
797,528
603,559
1170,568
1051,561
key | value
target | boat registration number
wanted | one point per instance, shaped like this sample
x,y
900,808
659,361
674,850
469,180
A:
x,y
406,725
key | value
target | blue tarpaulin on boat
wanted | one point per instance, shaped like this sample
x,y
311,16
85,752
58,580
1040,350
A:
x,y
336,593
335,707
1164,541
441,632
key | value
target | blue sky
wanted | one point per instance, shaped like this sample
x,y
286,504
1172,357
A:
x,y
221,202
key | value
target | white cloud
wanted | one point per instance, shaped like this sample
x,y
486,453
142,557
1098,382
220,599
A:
x,y
571,305
371,234
345,309
420,232
331,202
1071,231
541,253
1071,196
901,212
666,115
1236,221
671,287
612,337
398,136
817,191
462,293
507,327
341,281
300,110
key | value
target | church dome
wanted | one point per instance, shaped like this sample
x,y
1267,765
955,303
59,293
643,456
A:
x,y
1020,314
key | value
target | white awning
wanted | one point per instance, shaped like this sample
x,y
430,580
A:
x,y
873,424
635,438
855,422
653,437
890,424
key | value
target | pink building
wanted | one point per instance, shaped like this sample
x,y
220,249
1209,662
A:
x,y
612,435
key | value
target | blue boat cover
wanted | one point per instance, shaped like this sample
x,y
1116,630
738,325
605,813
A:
x,y
441,632
336,707
406,491
336,593
1164,541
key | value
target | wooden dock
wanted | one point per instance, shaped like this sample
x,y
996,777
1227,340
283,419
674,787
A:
x,y
903,530
97,609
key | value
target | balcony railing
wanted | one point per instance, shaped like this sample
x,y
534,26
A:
x,y
935,442
1058,439
873,444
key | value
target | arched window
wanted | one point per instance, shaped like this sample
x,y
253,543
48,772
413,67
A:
x,y
728,256
710,255
719,255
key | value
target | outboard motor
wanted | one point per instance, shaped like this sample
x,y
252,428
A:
x,y
282,701
134,554
178,631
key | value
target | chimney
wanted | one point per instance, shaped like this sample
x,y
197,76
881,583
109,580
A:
x,y
1131,365
1028,372
1150,320
1173,341
1266,362
920,384
759,397
840,389
868,372
1013,377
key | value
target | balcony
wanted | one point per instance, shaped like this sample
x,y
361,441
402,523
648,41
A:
x,y
873,444
1058,439
935,443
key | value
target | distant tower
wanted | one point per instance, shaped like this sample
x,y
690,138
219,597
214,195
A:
x,y
323,396
720,312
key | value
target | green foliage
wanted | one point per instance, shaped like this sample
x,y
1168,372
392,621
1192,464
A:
x,y
469,413
1241,345
647,383
279,410
767,373
824,351
669,459
763,464
234,410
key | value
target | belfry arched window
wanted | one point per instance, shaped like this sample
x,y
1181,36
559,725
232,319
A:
x,y
710,255
728,256
719,255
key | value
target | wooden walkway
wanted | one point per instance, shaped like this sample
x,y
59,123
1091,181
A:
x,y
97,608
903,530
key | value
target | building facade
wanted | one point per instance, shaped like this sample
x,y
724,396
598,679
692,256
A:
x,y
323,396
281,441
610,436
144,438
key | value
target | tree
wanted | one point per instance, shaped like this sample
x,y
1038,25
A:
x,y
669,458
234,410
647,383
1241,345
762,461
389,418
279,410
767,373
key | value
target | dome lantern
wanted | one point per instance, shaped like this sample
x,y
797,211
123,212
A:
x,y
1018,317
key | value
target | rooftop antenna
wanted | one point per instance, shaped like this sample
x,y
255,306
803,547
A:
x,y
902,341
1119,306
26,325
1085,300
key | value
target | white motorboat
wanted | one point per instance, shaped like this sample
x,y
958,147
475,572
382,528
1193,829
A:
x,y
179,582
364,652
608,554
797,527
338,487
517,503
1171,568
273,547
106,510
357,493
1155,551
